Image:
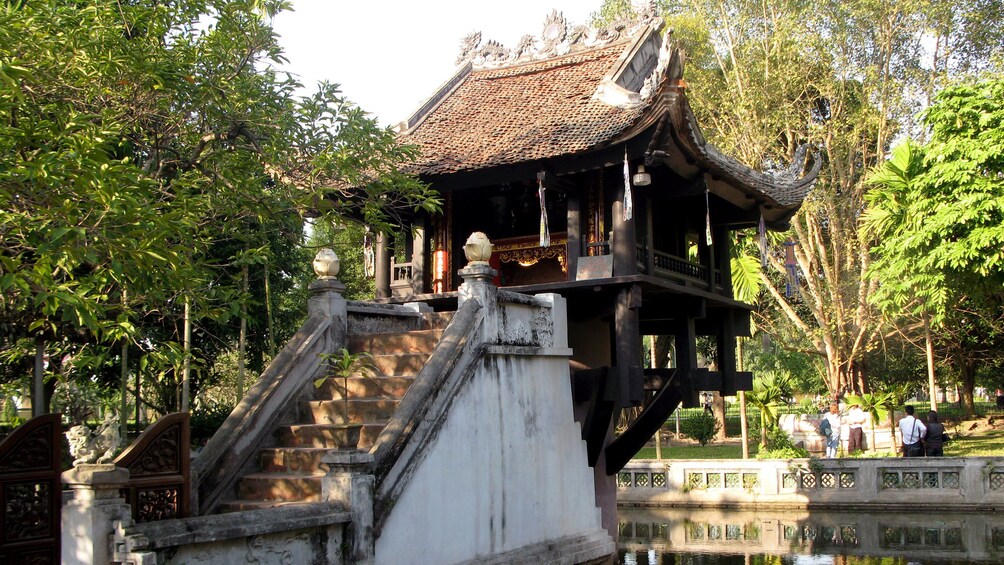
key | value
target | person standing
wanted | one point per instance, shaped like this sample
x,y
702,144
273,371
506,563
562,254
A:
x,y
855,428
933,447
833,439
912,431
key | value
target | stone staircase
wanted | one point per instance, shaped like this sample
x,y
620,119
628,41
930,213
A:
x,y
291,472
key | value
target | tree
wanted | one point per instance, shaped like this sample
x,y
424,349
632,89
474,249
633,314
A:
x,y
937,217
769,392
150,151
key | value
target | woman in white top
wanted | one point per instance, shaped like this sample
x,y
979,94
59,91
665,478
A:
x,y
833,439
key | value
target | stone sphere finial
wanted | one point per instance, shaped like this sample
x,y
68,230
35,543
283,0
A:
x,y
478,248
326,264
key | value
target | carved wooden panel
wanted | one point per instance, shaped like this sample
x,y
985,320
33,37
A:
x,y
159,476
30,492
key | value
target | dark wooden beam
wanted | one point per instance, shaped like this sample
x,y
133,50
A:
x,y
686,358
628,348
627,445
600,412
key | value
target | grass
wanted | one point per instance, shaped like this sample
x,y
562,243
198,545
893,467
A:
x,y
710,451
989,443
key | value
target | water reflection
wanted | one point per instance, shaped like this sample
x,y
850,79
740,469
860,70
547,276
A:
x,y
651,536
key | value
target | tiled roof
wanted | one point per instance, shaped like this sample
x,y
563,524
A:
x,y
510,115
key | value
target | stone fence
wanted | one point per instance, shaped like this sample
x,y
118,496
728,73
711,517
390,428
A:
x,y
945,483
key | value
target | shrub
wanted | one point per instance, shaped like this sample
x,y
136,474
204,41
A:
x,y
779,446
206,419
701,427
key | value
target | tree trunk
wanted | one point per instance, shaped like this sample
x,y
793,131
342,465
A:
x,y
718,407
929,350
968,384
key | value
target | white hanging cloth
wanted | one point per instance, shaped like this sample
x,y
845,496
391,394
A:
x,y
628,204
545,234
707,217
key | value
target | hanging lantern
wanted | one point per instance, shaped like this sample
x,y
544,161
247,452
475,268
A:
x,y
790,268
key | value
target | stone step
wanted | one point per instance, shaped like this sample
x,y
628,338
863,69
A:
x,y
436,320
280,487
418,341
239,505
311,435
305,460
378,386
401,364
360,410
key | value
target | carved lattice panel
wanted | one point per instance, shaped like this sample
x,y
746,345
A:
x,y
641,480
827,480
158,463
788,480
847,480
714,480
731,480
849,534
733,532
950,479
953,537
890,479
911,479
996,480
659,480
624,479
930,479
932,536
695,480
751,480
791,533
808,480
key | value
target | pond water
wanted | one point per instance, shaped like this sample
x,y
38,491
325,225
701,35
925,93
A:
x,y
694,536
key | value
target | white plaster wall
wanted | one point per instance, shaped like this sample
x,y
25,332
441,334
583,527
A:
x,y
507,469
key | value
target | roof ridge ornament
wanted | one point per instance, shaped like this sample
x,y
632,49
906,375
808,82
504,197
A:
x,y
557,38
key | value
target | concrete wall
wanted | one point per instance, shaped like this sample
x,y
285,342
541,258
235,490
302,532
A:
x,y
941,483
506,478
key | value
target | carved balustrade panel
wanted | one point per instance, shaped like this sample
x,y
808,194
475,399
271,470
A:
x,y
158,461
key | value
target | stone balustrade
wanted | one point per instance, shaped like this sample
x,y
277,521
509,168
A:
x,y
946,483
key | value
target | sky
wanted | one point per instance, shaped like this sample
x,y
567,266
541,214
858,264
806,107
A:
x,y
389,56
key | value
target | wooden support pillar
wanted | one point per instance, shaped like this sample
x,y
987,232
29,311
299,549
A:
x,y
624,240
627,332
727,355
381,266
573,248
686,361
649,238
723,251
